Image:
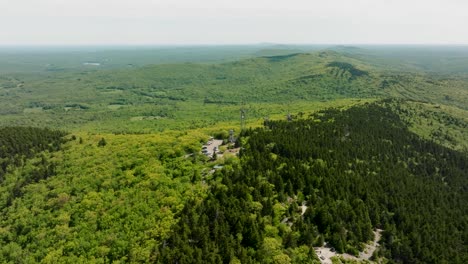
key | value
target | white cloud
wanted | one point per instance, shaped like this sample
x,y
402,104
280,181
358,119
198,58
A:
x,y
239,21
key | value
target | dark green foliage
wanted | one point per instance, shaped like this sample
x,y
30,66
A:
x,y
281,57
20,143
358,169
102,142
17,145
77,106
388,83
374,173
348,67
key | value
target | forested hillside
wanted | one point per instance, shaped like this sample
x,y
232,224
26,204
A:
x,y
355,170
180,96
128,182
99,198
443,124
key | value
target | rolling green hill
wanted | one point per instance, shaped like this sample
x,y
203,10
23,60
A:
x,y
157,97
126,181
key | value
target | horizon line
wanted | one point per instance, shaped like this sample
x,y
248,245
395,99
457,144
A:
x,y
222,44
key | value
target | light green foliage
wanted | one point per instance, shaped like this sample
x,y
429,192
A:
x,y
341,260
300,255
446,125
272,250
104,202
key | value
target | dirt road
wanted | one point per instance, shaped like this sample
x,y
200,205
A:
x,y
325,253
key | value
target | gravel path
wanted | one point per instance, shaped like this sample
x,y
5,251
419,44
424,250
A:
x,y
325,253
369,250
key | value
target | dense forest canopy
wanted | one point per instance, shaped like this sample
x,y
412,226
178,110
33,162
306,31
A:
x,y
20,143
356,170
370,166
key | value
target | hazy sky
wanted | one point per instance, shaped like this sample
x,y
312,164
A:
x,y
233,22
